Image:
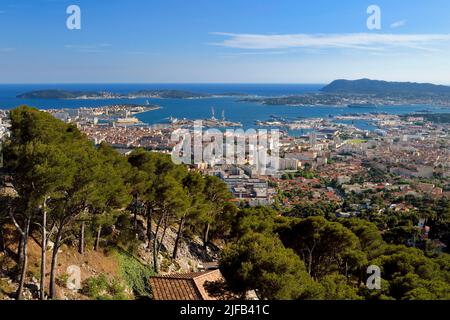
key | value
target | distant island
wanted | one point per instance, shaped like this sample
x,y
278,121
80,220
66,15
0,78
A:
x,y
366,93
61,94
363,93
89,95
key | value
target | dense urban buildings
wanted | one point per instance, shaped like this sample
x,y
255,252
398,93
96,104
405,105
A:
x,y
230,151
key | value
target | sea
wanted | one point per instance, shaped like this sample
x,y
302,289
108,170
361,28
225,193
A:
x,y
233,108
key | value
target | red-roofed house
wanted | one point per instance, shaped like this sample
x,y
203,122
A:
x,y
184,286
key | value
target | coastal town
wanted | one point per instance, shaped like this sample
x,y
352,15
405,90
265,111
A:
x,y
278,174
331,162
237,158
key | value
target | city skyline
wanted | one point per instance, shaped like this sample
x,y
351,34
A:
x,y
256,42
228,151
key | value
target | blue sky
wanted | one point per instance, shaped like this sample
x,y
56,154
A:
x,y
260,41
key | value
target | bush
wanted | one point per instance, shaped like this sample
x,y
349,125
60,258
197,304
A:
x,y
62,280
135,274
102,288
6,288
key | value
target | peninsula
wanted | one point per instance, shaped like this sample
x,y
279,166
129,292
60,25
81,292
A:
x,y
366,92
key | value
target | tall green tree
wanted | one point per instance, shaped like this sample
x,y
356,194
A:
x,y
260,262
116,186
217,194
325,246
159,185
413,275
83,190
143,178
337,287
194,185
33,155
369,236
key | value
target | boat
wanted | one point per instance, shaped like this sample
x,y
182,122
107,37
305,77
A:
x,y
128,120
173,120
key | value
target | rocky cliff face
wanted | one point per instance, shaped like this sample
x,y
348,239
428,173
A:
x,y
191,255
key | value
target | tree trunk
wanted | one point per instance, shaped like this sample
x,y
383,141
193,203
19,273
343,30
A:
x,y
155,245
177,240
149,228
135,221
310,263
20,251
43,252
361,275
56,245
81,248
135,214
206,236
2,240
97,239
23,273
163,234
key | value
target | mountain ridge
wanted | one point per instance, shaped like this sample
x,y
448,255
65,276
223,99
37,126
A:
x,y
368,86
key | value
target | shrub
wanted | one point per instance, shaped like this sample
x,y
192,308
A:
x,y
135,274
102,288
62,280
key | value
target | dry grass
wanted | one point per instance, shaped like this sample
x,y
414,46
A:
x,y
91,263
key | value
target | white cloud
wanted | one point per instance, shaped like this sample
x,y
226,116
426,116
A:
x,y
251,53
361,41
398,24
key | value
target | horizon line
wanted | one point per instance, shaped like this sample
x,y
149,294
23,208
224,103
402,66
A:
x,y
163,82
216,83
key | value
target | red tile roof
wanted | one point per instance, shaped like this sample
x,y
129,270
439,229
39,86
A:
x,y
183,286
